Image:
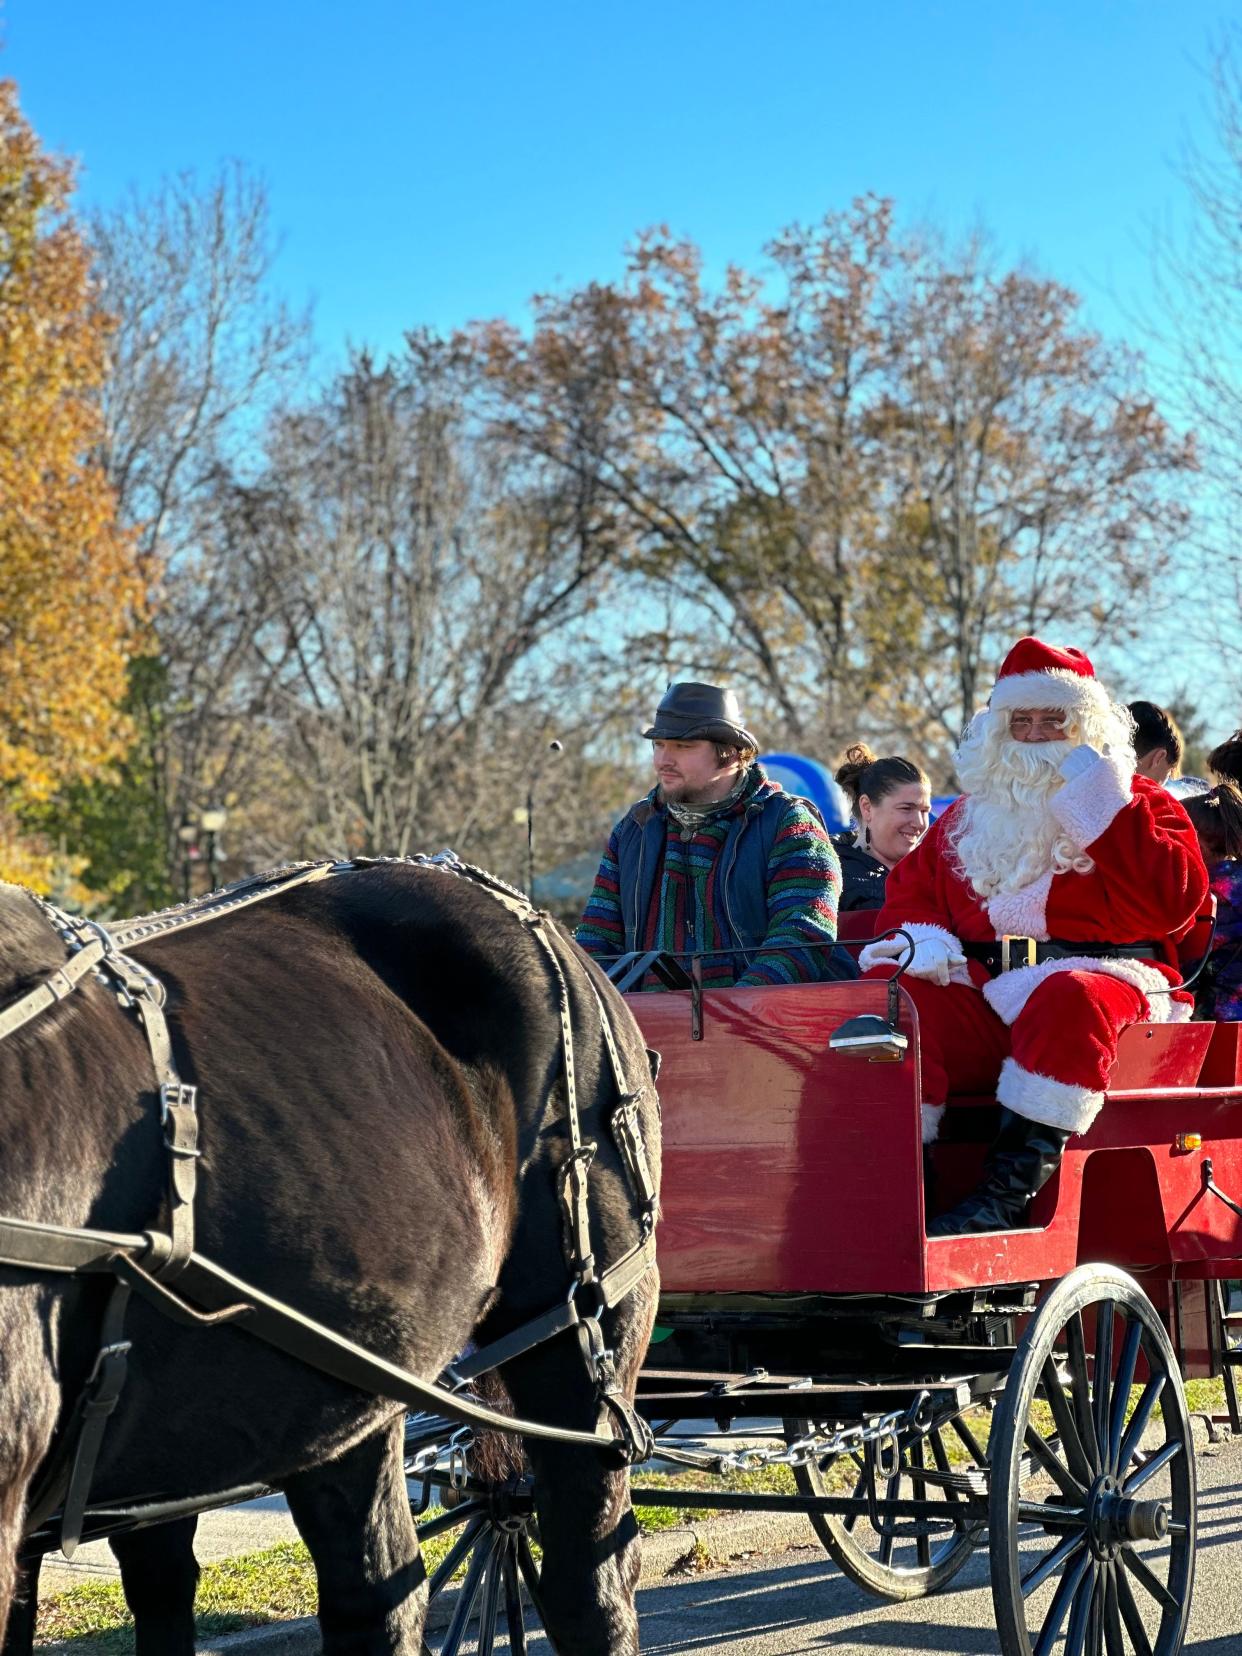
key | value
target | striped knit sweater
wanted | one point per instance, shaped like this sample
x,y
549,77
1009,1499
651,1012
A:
x,y
686,914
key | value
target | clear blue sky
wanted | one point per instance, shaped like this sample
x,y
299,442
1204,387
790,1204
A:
x,y
432,163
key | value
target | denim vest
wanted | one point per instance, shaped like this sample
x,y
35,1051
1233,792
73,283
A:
x,y
742,888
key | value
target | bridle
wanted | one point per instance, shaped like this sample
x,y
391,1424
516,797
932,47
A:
x,y
207,1295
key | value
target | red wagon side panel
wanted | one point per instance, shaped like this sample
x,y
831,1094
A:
x,y
787,1168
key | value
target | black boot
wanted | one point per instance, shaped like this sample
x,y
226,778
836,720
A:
x,y
1023,1157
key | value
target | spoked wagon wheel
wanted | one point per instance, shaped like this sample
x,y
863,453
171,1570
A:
x,y
904,1558
1094,1537
493,1547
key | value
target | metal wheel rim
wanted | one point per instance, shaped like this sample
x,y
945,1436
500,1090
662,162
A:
x,y
1091,1583
938,1558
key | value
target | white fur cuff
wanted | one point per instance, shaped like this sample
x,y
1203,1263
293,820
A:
x,y
885,950
932,1115
1086,806
1040,1098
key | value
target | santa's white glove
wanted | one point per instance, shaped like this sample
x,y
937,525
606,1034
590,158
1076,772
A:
x,y
1078,761
1097,787
934,956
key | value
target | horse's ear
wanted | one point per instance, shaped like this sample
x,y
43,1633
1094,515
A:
x,y
653,1063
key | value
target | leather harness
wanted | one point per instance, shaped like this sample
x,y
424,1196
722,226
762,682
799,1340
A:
x,y
208,1295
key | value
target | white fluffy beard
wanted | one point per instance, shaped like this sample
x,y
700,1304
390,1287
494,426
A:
x,y
1006,837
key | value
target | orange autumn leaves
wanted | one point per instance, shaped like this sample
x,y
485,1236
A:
x,y
71,590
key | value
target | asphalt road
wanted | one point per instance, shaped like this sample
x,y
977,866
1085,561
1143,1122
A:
x,y
798,1601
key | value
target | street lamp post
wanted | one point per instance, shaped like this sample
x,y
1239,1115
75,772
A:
x,y
187,833
553,750
212,819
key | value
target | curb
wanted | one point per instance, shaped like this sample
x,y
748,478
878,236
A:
x,y
700,1546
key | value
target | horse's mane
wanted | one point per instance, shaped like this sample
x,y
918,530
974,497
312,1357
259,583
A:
x,y
27,942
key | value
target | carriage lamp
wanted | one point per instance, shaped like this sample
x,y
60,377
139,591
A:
x,y
868,1036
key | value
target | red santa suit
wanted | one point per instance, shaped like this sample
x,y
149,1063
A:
x,y
1045,1035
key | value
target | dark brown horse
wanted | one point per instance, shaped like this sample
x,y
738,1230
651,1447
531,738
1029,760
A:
x,y
379,1065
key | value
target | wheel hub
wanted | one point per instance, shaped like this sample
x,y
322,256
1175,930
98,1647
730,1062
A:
x,y
511,1506
1114,1520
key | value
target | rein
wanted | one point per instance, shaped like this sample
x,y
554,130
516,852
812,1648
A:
x,y
207,1295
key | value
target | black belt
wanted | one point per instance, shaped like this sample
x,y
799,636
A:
x,y
1008,953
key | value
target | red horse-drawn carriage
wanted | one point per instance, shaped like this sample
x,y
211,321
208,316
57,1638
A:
x,y
1026,1384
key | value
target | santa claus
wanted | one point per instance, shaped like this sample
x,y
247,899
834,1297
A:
x,y
1044,906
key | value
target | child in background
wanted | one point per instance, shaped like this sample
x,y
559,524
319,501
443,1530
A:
x,y
1217,816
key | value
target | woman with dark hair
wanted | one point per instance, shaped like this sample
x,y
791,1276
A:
x,y
891,801
1217,818
1225,761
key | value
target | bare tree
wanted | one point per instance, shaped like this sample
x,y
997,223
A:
x,y
1030,480
421,589
202,354
201,351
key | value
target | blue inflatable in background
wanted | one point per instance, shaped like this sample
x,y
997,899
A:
x,y
807,777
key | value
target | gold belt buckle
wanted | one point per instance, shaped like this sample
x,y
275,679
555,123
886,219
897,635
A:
x,y
1010,961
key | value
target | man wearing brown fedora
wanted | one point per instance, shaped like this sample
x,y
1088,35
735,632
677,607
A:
x,y
717,860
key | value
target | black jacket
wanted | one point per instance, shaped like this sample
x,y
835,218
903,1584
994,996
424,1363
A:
x,y
862,875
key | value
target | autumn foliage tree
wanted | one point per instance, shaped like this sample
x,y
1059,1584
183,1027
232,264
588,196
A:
x,y
71,597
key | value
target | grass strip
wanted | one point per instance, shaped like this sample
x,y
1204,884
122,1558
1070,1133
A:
x,y
250,1590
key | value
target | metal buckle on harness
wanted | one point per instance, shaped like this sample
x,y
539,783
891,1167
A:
x,y
593,1288
119,1348
573,1183
176,1095
1012,958
59,984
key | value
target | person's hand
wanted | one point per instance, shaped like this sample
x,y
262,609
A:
x,y
934,956
1078,761
934,959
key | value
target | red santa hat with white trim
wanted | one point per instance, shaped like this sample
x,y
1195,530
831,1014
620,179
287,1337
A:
x,y
1035,674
